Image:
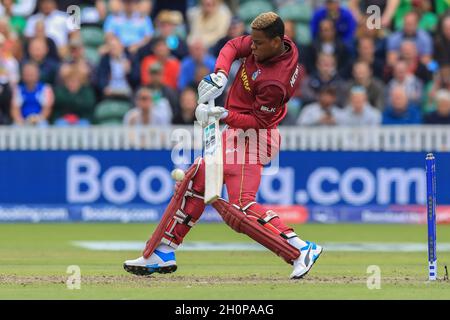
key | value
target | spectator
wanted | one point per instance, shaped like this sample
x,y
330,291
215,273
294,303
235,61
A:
x,y
428,19
408,53
170,65
77,59
92,11
237,29
323,112
326,75
114,74
132,28
387,7
359,112
442,113
412,85
344,21
41,34
38,53
148,111
197,57
366,52
160,89
74,100
374,88
442,41
188,104
327,42
400,111
166,27
441,82
9,77
12,43
56,26
33,99
173,5
410,31
17,11
209,21
366,30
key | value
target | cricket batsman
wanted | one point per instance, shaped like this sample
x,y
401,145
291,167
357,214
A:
x,y
267,78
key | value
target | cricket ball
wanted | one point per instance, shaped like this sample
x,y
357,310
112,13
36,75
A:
x,y
178,174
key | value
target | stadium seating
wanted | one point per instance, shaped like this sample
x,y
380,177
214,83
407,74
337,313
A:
x,y
298,12
303,33
111,111
92,36
249,10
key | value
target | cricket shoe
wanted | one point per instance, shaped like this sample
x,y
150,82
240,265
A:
x,y
308,256
159,262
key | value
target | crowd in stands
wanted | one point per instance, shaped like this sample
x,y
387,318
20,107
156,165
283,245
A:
x,y
139,62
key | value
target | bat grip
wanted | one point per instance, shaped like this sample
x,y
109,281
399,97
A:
x,y
211,105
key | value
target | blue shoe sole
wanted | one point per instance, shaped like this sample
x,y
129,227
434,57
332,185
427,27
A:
x,y
317,258
146,271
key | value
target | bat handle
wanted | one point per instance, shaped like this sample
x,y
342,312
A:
x,y
211,105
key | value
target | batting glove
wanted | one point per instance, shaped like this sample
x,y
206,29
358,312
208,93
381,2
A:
x,y
211,87
203,113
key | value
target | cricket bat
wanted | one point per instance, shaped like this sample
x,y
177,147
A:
x,y
213,157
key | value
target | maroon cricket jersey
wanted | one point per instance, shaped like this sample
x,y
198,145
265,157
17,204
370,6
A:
x,y
258,96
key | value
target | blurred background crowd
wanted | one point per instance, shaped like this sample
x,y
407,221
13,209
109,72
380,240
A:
x,y
138,62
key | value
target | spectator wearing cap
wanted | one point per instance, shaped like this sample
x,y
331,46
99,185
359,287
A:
x,y
130,26
442,113
9,77
325,76
403,77
442,41
76,58
400,111
198,58
188,104
412,32
327,42
160,89
209,20
359,112
148,110
323,112
38,53
167,23
237,29
32,100
55,21
342,17
114,73
170,65
362,76
74,100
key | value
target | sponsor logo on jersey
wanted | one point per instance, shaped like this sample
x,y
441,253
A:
x,y
244,79
294,77
267,109
256,74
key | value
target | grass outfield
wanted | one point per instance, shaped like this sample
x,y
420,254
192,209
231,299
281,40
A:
x,y
34,259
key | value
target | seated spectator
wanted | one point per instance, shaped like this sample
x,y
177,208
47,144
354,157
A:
x,y
148,111
362,76
428,20
17,12
160,89
412,32
237,29
56,26
327,42
166,26
33,99
74,101
12,43
344,21
170,65
408,53
132,28
359,112
114,76
76,58
323,112
400,111
197,57
442,41
412,85
38,53
441,81
41,34
9,77
209,21
188,104
366,30
442,113
326,75
387,8
366,52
